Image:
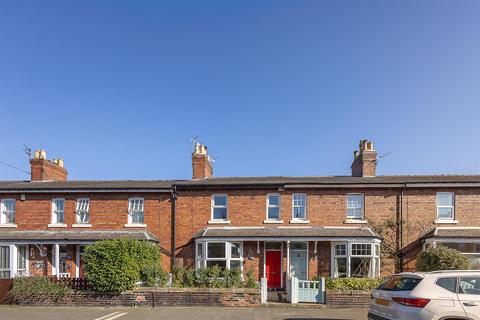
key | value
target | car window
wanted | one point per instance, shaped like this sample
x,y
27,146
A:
x,y
448,283
400,284
470,285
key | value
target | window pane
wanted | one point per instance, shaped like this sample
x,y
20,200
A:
x,y
21,257
400,284
470,285
222,264
298,246
355,213
235,250
220,200
273,213
445,213
448,283
235,264
360,267
361,249
299,199
137,217
60,218
354,201
341,267
273,200
220,213
216,250
59,204
445,199
340,250
299,212
4,257
273,245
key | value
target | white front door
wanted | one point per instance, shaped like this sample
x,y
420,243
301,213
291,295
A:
x,y
298,264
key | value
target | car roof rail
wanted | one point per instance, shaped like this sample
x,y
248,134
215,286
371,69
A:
x,y
452,271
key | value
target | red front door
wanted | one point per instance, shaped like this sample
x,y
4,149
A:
x,y
273,268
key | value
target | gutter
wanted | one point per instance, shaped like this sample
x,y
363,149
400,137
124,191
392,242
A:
x,y
400,225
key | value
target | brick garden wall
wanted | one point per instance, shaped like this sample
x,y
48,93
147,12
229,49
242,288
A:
x,y
347,298
158,297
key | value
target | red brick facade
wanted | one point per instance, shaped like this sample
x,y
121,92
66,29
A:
x,y
191,207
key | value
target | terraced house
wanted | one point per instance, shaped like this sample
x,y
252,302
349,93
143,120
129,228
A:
x,y
361,225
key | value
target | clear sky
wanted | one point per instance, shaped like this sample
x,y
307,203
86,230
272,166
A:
x,y
118,88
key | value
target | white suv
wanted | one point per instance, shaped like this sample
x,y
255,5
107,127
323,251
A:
x,y
438,295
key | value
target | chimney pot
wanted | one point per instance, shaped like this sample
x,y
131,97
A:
x,y
42,169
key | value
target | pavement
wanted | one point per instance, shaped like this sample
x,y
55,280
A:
x,y
180,313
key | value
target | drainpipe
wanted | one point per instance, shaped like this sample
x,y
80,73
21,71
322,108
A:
x,y
173,198
400,229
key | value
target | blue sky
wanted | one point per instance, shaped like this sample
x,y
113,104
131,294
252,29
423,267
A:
x,y
118,88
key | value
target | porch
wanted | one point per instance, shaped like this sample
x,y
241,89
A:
x,y
51,253
278,253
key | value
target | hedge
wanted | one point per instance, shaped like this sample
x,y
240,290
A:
x,y
351,283
442,258
212,277
117,265
27,288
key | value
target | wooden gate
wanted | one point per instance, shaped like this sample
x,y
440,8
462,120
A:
x,y
5,287
306,291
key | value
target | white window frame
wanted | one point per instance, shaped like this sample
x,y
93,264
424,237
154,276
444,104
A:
x,y
79,211
23,271
374,257
294,219
130,212
9,257
452,218
202,262
213,206
55,212
3,212
351,217
268,206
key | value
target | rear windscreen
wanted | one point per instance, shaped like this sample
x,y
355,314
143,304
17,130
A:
x,y
400,284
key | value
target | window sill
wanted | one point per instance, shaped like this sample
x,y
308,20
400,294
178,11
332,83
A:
x,y
135,225
8,225
438,221
299,221
219,222
81,225
353,221
273,221
57,225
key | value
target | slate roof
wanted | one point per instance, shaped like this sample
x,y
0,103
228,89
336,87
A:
x,y
286,232
454,232
75,235
213,182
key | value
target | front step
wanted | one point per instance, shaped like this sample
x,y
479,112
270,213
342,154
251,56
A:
x,y
277,296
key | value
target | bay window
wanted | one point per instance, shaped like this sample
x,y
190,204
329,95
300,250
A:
x,y
358,260
227,255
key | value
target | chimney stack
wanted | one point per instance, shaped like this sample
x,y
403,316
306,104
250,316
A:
x,y
364,160
42,169
201,162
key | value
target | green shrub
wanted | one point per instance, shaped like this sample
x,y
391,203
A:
x,y
215,276
250,281
232,278
351,283
442,258
26,288
154,276
117,265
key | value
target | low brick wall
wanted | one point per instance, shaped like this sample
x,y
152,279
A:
x,y
161,297
342,298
